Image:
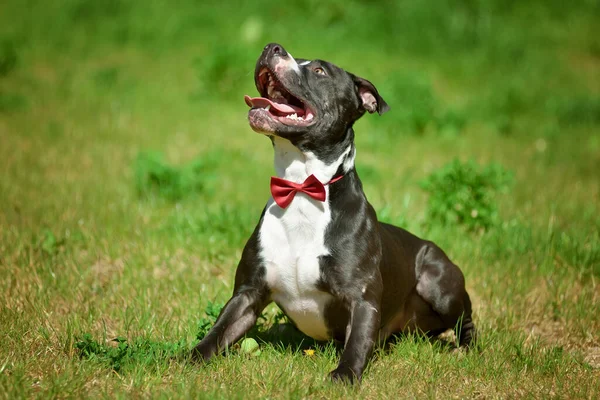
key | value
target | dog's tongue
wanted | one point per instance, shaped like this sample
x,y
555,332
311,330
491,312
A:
x,y
262,102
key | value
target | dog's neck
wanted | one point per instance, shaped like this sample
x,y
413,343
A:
x,y
296,165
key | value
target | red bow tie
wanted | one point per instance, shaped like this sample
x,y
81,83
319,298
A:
x,y
284,191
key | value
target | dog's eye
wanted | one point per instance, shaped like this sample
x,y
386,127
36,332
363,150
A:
x,y
320,71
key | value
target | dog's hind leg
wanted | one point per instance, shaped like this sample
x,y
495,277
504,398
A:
x,y
442,285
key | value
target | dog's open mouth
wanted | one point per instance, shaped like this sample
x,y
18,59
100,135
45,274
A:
x,y
277,102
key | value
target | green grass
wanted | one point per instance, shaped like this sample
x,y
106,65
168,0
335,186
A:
x,y
130,180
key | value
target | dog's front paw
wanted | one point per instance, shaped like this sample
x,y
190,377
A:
x,y
344,374
202,352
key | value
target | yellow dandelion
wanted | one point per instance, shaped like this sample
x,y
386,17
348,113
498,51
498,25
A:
x,y
309,352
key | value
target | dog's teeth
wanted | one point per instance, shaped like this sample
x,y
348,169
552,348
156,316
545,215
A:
x,y
274,94
268,107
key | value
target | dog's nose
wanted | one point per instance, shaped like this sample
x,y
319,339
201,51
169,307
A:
x,y
274,49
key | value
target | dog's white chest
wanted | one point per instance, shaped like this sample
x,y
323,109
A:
x,y
291,242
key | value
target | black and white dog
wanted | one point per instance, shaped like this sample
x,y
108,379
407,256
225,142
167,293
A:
x,y
319,251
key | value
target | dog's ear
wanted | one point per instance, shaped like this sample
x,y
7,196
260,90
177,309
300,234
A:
x,y
369,96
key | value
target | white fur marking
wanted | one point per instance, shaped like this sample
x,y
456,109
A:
x,y
305,63
293,239
285,63
349,161
294,64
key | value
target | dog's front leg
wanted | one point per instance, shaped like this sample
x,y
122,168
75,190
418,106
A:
x,y
364,330
236,318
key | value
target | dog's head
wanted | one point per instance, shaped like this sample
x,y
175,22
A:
x,y
307,99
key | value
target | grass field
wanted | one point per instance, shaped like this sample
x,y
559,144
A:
x,y
130,180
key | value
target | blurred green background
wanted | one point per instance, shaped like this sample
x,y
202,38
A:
x,y
130,179
87,85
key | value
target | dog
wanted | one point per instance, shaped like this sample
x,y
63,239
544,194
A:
x,y
318,250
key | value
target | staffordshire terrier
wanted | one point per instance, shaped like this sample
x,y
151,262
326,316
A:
x,y
318,250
